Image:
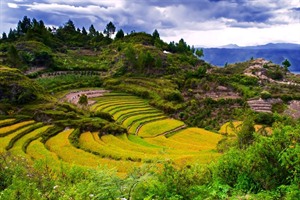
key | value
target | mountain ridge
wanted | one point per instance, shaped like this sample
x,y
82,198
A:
x,y
262,46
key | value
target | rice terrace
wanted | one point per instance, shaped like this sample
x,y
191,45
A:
x,y
109,115
152,137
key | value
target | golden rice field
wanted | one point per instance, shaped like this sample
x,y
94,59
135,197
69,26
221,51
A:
x,y
61,146
4,141
139,116
4,121
159,127
132,129
231,128
18,145
146,142
14,127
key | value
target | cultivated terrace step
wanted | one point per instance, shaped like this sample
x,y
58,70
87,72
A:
x,y
260,105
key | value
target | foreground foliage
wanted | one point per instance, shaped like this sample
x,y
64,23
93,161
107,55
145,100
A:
x,y
269,168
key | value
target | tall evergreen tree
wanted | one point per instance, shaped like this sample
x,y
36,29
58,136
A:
x,y
155,34
84,32
12,35
92,31
120,34
110,29
4,36
70,27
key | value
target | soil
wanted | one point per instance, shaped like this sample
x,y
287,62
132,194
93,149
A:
x,y
293,109
73,97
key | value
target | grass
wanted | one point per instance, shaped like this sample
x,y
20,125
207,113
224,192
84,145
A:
x,y
8,129
159,127
4,141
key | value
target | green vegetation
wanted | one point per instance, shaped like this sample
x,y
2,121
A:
x,y
163,125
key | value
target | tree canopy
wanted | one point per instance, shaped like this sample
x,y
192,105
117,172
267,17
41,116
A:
x,y
110,29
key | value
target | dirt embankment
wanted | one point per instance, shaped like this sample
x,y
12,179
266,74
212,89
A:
x,y
73,97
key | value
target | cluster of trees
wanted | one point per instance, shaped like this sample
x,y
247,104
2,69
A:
x,y
67,34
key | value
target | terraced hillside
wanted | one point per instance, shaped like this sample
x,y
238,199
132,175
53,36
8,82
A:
x,y
152,138
137,115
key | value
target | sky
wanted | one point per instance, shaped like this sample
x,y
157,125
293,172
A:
x,y
206,23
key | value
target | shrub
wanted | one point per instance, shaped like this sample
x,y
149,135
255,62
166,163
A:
x,y
174,96
103,115
265,95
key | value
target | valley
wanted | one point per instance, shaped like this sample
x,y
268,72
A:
x,y
87,116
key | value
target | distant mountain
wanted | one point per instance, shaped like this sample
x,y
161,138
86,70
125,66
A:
x,y
265,46
274,52
230,46
275,46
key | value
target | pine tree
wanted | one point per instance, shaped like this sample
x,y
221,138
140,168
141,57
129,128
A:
x,y
120,34
155,34
286,64
110,29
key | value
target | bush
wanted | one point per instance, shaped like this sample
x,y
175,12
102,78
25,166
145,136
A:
x,y
265,95
264,118
266,165
174,96
103,115
113,129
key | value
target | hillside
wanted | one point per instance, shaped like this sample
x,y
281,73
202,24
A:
x,y
86,116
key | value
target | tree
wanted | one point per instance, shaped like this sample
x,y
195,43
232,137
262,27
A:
x,y
155,34
92,31
24,26
83,100
84,31
245,135
286,64
110,29
182,46
120,34
199,52
13,56
70,27
4,36
12,35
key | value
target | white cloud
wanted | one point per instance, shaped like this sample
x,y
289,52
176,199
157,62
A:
x,y
12,5
199,23
240,36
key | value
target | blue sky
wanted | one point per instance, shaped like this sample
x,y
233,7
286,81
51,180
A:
x,y
199,22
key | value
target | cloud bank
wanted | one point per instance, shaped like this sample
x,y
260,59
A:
x,y
199,22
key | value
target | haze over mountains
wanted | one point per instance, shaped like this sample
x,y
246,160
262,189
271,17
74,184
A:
x,y
275,52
